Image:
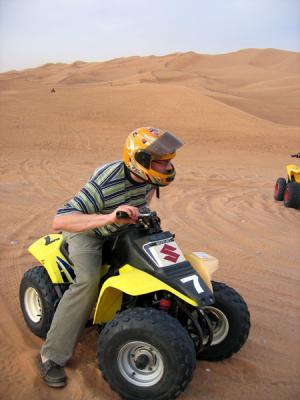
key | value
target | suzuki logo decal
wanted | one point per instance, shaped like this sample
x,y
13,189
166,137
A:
x,y
170,252
164,252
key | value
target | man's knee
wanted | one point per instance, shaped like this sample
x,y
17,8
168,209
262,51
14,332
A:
x,y
86,285
87,268
89,261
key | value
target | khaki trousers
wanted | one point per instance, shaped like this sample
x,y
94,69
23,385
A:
x,y
74,309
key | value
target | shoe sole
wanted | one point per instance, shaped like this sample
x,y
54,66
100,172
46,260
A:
x,y
55,384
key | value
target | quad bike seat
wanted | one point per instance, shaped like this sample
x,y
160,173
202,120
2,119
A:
x,y
106,252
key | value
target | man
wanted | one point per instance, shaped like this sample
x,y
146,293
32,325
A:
x,y
88,219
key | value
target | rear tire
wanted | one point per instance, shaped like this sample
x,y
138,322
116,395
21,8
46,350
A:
x,y
279,189
292,195
146,354
38,300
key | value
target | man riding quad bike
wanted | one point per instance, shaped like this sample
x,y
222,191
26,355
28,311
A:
x,y
157,311
289,190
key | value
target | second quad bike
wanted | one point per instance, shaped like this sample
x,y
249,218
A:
x,y
158,310
288,189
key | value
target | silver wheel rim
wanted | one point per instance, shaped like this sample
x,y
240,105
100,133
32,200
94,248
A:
x,y
33,305
219,323
130,358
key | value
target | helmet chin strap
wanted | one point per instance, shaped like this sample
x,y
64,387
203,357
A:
x,y
157,192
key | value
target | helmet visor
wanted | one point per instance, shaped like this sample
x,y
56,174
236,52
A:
x,y
167,143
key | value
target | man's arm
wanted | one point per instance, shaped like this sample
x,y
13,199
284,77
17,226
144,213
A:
x,y
79,222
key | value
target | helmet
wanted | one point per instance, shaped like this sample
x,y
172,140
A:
x,y
144,145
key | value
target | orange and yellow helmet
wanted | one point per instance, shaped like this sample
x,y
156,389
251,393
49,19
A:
x,y
144,145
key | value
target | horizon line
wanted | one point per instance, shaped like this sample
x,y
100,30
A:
x,y
141,56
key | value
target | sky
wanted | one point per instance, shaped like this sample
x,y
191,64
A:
x,y
36,32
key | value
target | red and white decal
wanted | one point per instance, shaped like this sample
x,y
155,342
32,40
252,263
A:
x,y
164,253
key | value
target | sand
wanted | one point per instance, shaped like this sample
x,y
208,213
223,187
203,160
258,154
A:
x,y
238,115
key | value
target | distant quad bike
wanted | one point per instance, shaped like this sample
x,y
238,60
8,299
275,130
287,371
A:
x,y
157,311
289,191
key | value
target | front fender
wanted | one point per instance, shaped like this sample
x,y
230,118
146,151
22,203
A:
x,y
205,264
131,281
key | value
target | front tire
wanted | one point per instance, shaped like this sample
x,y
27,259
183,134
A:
x,y
230,319
146,354
38,300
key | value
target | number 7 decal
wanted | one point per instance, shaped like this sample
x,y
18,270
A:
x,y
195,280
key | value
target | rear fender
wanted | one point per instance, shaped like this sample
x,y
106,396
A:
x,y
47,251
131,281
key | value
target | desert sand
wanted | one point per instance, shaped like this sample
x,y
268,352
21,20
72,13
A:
x,y
238,115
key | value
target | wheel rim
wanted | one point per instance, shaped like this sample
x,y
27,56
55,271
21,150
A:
x,y
33,304
219,324
140,363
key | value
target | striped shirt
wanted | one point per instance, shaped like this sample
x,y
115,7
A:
x,y
109,187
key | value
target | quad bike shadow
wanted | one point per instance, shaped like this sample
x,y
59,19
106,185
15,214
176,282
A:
x,y
157,311
288,189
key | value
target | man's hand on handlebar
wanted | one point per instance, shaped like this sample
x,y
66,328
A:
x,y
125,215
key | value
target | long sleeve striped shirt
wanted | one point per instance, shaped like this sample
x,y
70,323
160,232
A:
x,y
109,187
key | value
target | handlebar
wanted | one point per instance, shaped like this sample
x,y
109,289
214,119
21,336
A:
x,y
124,215
147,219
296,155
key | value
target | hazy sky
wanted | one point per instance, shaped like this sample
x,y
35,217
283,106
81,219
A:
x,y
34,32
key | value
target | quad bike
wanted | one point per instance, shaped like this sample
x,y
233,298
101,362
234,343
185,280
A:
x,y
289,191
157,311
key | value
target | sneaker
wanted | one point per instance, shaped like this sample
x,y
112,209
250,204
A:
x,y
52,373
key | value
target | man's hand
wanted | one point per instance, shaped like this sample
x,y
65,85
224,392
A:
x,y
133,213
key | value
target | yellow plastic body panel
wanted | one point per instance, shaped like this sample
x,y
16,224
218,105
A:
x,y
293,171
45,250
204,264
133,282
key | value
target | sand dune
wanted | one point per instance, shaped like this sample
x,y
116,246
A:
x,y
238,115
231,78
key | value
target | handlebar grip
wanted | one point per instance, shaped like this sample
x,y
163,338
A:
x,y
122,215
296,155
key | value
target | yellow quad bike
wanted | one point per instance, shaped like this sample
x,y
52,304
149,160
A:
x,y
289,191
157,311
